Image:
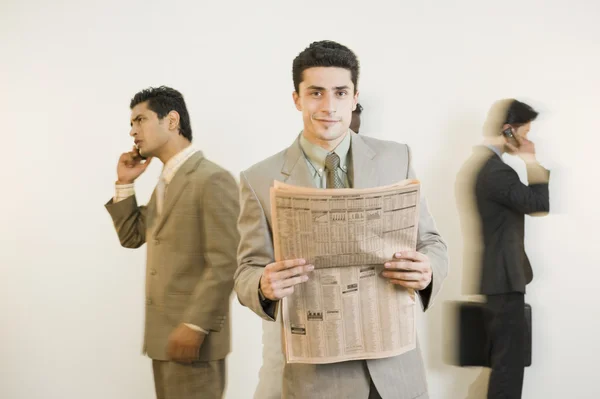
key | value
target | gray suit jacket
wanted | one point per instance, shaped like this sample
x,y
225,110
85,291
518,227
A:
x,y
191,250
375,163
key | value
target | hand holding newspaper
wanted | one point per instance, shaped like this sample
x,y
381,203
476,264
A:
x,y
346,310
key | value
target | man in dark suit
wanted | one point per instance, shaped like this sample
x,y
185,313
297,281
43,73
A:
x,y
355,122
493,203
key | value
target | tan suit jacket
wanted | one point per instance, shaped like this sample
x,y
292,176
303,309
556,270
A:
x,y
374,163
191,260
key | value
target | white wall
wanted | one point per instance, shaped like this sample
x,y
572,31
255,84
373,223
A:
x,y
71,298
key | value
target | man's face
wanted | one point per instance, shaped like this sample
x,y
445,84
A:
x,y
149,133
326,98
521,132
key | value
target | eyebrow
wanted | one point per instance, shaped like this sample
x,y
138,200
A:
x,y
137,118
323,89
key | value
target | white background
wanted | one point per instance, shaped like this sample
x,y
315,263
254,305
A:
x,y
71,299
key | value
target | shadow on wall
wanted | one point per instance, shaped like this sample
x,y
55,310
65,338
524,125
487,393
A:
x,y
460,136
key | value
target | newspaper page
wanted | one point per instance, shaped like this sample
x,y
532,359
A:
x,y
346,310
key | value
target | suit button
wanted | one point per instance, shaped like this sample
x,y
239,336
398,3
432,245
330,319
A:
x,y
156,241
153,272
148,301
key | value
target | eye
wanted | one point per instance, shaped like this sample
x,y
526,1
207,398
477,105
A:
x,y
316,94
342,93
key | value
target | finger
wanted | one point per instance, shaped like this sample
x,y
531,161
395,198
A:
x,y
171,350
402,265
282,293
286,264
408,284
411,255
144,163
296,271
126,157
137,156
405,276
290,282
519,139
189,354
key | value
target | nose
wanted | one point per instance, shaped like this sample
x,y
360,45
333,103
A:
x,y
328,104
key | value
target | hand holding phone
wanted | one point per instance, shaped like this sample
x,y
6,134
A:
x,y
520,146
131,165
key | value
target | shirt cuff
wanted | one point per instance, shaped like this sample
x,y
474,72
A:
x,y
123,191
196,328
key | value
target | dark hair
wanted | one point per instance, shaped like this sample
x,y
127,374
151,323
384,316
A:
x,y
520,113
325,53
358,109
163,100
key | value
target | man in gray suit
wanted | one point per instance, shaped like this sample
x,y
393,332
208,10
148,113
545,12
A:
x,y
327,154
189,228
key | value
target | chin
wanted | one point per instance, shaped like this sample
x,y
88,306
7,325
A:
x,y
333,134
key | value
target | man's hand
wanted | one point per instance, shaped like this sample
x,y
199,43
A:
x,y
525,150
409,269
279,278
184,344
131,166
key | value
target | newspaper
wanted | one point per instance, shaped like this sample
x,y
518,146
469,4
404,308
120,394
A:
x,y
346,310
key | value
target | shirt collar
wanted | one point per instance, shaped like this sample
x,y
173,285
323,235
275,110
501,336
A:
x,y
173,164
496,151
316,155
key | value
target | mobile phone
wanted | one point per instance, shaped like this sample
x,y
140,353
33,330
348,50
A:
x,y
139,154
508,133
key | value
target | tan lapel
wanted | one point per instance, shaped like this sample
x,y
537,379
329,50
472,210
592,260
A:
x,y
176,187
364,168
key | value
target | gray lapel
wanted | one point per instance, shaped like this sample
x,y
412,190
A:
x,y
364,169
295,169
176,187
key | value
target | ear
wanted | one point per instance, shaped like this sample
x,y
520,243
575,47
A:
x,y
355,100
296,98
173,118
507,126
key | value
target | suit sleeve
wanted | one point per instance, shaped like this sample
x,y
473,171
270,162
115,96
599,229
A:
x,y
502,185
430,243
254,252
210,300
129,220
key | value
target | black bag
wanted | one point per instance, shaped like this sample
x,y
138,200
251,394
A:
x,y
473,338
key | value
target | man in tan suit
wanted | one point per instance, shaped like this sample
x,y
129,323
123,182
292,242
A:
x,y
189,227
327,154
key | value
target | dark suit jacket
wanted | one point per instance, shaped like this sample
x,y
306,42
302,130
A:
x,y
498,205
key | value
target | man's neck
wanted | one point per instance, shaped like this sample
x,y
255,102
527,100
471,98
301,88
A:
x,y
327,145
172,148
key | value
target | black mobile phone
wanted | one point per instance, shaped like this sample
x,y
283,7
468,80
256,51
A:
x,y
508,133
139,154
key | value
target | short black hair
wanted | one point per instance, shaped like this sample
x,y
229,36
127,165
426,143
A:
x,y
325,53
358,109
519,113
163,100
